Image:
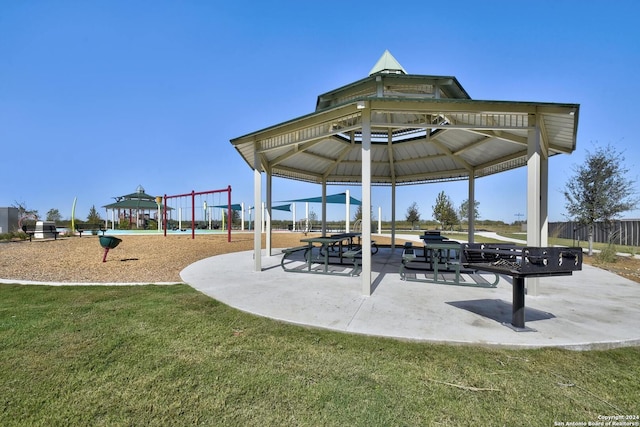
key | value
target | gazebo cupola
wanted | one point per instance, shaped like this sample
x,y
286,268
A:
x,y
388,79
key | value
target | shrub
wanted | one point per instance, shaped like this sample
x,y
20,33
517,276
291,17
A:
x,y
608,254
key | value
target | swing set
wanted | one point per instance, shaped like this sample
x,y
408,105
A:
x,y
206,206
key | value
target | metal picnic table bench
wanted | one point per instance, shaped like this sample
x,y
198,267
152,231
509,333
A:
x,y
323,255
440,256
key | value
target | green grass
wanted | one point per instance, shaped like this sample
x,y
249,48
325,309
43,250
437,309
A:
x,y
168,355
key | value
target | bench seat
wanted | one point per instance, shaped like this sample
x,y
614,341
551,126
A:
x,y
80,228
439,265
30,230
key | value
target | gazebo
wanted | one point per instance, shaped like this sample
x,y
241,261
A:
x,y
393,128
134,207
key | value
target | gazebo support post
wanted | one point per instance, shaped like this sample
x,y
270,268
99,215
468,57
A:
x,y
537,193
471,206
268,213
366,197
242,216
293,217
347,219
393,215
324,207
257,221
393,187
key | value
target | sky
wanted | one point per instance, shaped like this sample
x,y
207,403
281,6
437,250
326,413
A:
x,y
97,98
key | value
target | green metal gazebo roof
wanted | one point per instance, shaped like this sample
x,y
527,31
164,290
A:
x,y
138,200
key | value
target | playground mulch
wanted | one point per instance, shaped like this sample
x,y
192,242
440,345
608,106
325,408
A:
x,y
137,259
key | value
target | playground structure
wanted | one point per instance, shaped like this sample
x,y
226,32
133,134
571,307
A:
x,y
134,210
206,205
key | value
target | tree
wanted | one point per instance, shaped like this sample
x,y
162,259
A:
x,y
358,215
54,215
235,217
94,215
463,211
599,190
413,215
23,212
443,211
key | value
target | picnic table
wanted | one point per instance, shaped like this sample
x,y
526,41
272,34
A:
x,y
352,245
442,256
326,243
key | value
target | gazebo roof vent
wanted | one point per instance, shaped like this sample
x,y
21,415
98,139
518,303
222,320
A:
x,y
387,64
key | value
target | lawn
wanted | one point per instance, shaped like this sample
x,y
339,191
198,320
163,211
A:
x,y
168,355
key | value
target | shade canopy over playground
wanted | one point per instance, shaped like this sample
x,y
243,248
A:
x,y
340,198
234,207
393,128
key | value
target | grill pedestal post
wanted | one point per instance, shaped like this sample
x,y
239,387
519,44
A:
x,y
517,318
517,306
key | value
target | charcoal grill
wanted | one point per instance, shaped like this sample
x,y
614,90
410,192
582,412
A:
x,y
521,262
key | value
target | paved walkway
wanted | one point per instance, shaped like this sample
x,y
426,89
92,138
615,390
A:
x,y
591,309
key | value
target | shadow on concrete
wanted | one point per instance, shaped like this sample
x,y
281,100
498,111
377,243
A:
x,y
499,310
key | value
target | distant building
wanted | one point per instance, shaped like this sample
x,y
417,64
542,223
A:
x,y
8,220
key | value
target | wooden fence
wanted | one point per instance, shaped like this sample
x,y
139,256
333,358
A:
x,y
622,232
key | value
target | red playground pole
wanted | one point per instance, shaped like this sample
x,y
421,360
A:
x,y
229,214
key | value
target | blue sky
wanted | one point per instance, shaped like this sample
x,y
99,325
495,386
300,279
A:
x,y
99,97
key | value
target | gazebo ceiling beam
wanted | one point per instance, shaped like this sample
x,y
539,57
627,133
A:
x,y
544,137
296,149
320,157
450,154
264,162
503,159
317,177
502,135
345,151
557,149
474,144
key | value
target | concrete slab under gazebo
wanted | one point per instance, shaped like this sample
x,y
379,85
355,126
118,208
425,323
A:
x,y
393,128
